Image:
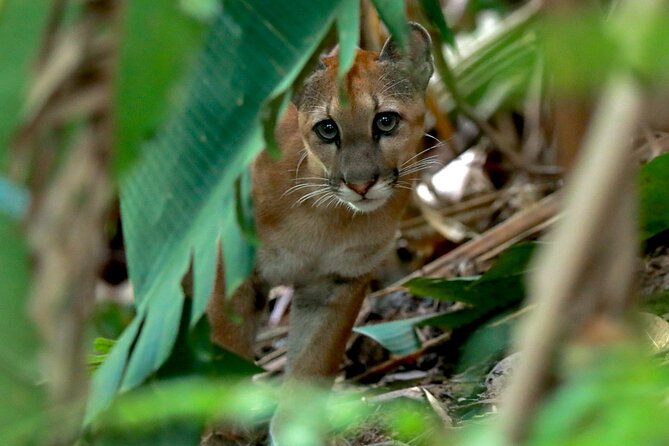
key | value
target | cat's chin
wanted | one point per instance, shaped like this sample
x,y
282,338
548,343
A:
x,y
367,205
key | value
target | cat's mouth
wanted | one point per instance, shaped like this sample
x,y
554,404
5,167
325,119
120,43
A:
x,y
368,200
366,204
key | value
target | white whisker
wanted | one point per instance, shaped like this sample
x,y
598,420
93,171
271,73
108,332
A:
x,y
312,194
422,152
433,137
322,199
299,163
297,187
311,178
417,167
333,201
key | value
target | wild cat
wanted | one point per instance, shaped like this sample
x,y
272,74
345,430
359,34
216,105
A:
x,y
327,211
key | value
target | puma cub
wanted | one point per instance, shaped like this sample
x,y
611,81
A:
x,y
328,210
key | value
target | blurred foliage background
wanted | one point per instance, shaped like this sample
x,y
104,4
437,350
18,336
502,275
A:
x,y
537,248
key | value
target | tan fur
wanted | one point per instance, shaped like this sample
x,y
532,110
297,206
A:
x,y
326,247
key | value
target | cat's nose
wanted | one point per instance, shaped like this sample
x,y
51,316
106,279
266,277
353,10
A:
x,y
361,188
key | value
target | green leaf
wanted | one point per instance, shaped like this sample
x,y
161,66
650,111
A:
x,y
205,260
158,433
435,14
393,15
399,337
189,398
244,207
107,378
180,198
654,196
236,249
21,23
348,32
23,400
203,10
439,288
456,319
498,289
656,303
155,342
483,290
195,354
486,342
512,262
271,114
157,52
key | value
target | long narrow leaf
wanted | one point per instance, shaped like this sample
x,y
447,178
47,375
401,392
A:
x,y
149,75
185,180
394,16
348,29
433,11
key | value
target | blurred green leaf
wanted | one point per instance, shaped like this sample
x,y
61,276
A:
x,y
394,16
271,114
159,433
22,403
348,30
500,65
244,207
435,14
312,411
618,398
158,49
189,398
203,10
579,51
654,196
101,348
180,198
477,6
103,345
21,23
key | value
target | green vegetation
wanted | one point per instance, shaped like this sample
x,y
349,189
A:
x,y
198,88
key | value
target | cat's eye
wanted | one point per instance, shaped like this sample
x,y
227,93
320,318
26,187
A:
x,y
327,130
386,122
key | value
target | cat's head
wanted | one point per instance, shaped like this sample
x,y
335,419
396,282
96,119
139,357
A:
x,y
363,147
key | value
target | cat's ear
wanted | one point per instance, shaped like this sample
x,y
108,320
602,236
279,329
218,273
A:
x,y
419,56
320,65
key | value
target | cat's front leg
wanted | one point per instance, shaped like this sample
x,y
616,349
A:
x,y
322,316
